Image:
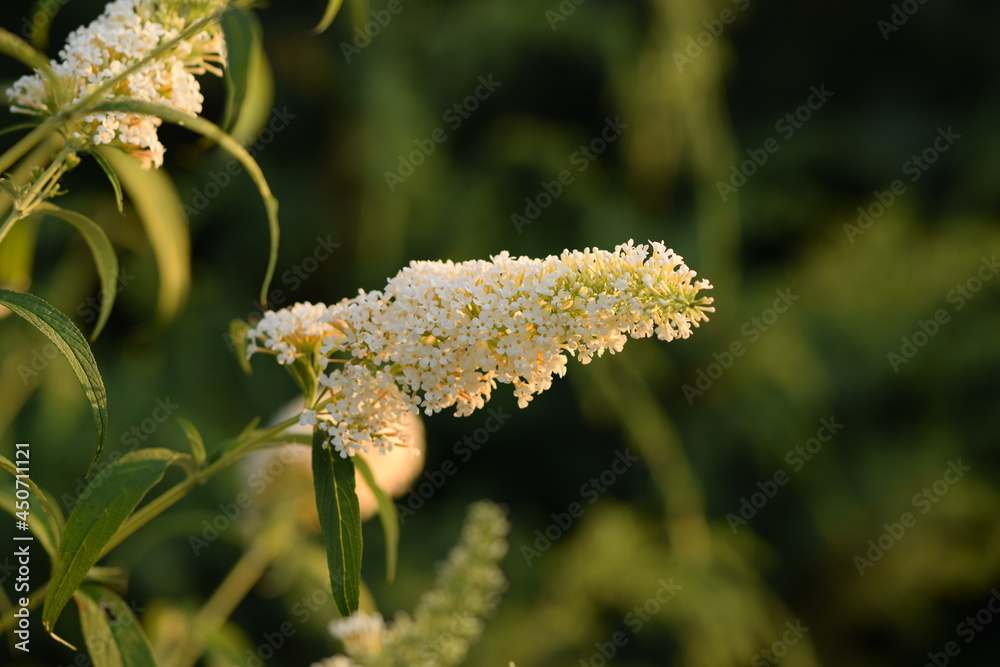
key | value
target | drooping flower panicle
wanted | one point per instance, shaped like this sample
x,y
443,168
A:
x,y
127,32
444,334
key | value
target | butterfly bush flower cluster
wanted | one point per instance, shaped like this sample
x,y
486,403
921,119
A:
x,y
443,334
127,32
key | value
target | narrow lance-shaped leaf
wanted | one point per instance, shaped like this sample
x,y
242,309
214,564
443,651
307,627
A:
x,y
102,508
104,257
340,521
212,131
72,344
162,216
387,515
113,635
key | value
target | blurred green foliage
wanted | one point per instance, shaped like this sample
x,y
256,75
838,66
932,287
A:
x,y
341,118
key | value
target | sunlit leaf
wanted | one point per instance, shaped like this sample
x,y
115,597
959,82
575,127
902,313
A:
x,y
72,344
159,208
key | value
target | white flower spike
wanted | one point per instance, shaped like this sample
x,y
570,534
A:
x,y
443,334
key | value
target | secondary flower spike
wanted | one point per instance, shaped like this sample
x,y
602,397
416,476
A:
x,y
443,334
127,32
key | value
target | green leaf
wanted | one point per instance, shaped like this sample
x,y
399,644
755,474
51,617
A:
x,y
160,210
194,439
242,33
238,337
213,132
386,514
68,340
46,520
112,632
340,520
116,184
103,506
104,257
332,9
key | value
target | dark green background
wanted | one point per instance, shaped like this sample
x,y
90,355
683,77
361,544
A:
x,y
666,518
